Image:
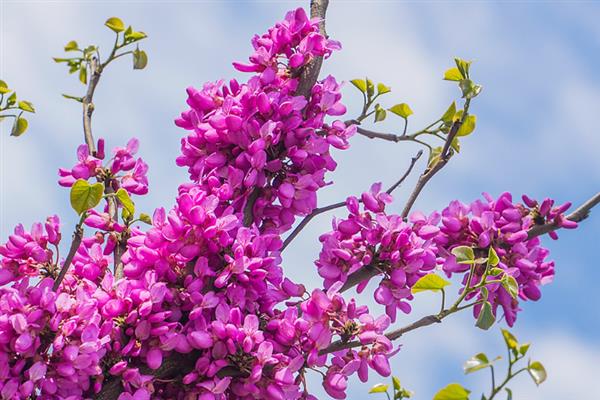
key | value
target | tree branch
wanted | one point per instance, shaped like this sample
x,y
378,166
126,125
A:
x,y
330,207
88,105
310,73
75,243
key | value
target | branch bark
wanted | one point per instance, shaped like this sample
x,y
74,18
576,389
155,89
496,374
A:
x,y
330,207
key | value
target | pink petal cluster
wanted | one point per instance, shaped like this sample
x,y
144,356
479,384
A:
x,y
504,225
88,166
258,144
370,238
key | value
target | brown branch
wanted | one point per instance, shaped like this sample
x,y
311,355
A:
x,y
385,136
310,73
75,243
88,105
330,207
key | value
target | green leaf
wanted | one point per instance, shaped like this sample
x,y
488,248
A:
x,y
370,88
493,259
26,106
434,156
360,84
83,74
475,363
463,254
453,391
402,110
468,126
128,205
380,113
71,46
453,74
431,282
396,383
379,388
4,87
145,218
469,88
537,372
115,24
455,144
12,99
510,339
463,67
135,36
509,283
68,96
495,271
486,318
85,196
19,127
140,59
383,89
523,348
449,114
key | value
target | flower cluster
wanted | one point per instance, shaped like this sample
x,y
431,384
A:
x,y
503,225
371,238
258,145
89,166
203,287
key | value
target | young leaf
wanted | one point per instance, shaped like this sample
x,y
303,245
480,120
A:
x,y
486,318
19,127
71,46
475,363
468,126
463,254
83,74
431,282
402,110
509,283
382,89
140,59
523,348
510,339
135,36
449,114
463,67
396,383
509,395
128,205
12,99
380,113
453,391
537,372
68,96
493,259
469,88
85,196
4,87
26,106
379,388
370,87
453,74
434,156
360,84
115,24
145,218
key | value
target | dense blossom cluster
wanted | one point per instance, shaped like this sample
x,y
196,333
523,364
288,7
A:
x,y
258,144
203,287
402,252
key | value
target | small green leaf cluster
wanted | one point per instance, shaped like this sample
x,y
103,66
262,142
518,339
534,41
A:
x,y
87,60
367,88
480,361
8,102
399,392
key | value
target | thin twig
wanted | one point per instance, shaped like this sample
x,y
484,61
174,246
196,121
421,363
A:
x,y
330,207
75,243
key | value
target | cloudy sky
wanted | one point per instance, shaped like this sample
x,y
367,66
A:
x,y
537,134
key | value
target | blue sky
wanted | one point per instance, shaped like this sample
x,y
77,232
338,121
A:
x,y
537,134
